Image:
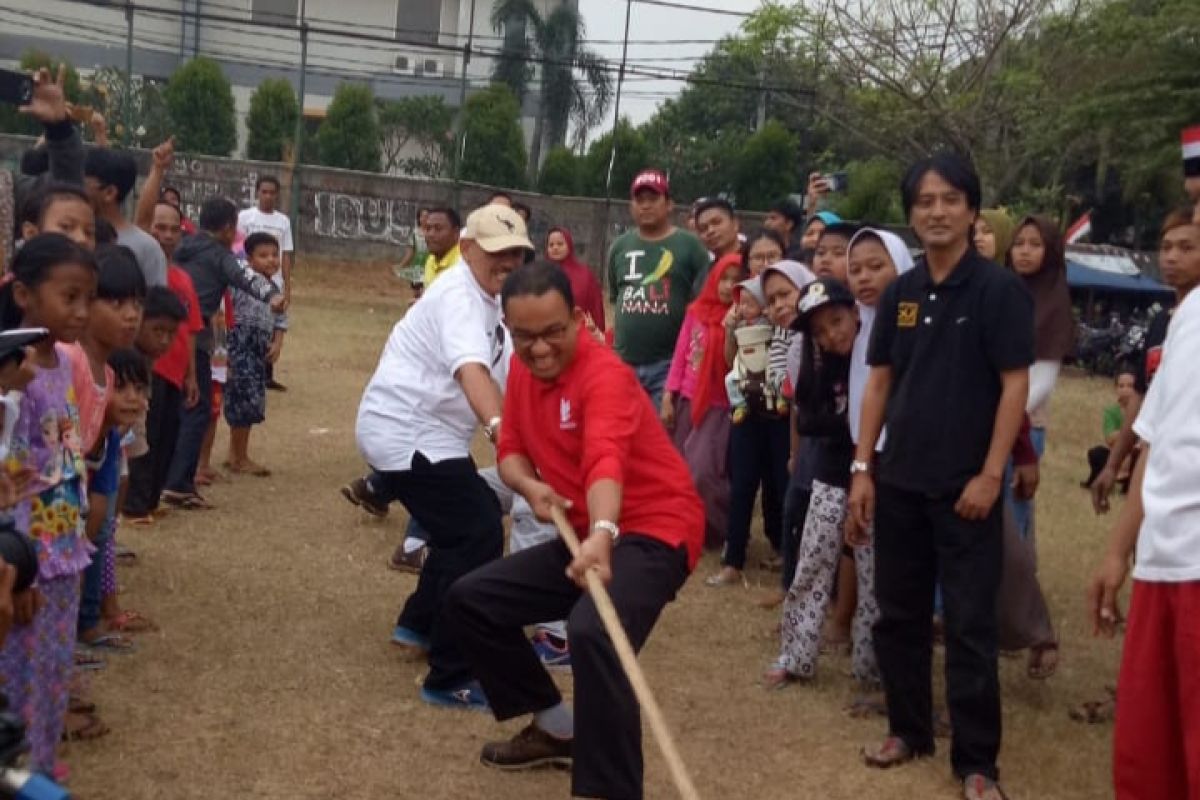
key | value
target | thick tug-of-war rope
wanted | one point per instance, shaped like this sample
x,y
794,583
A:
x,y
629,663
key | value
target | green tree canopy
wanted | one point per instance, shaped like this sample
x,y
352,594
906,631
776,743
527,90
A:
x,y
493,146
873,194
421,123
271,120
200,103
349,136
633,155
12,121
766,167
561,173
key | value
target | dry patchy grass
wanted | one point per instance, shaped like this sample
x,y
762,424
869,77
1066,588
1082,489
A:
x,y
273,678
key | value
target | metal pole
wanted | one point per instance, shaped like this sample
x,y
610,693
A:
x,y
460,118
612,155
127,138
298,137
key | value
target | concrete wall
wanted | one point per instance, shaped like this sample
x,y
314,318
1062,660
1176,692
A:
x,y
356,216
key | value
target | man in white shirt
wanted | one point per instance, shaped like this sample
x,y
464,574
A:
x,y
1157,740
438,379
265,218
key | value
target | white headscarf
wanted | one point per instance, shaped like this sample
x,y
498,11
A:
x,y
859,369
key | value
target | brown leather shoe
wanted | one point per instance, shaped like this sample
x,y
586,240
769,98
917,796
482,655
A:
x,y
530,748
359,493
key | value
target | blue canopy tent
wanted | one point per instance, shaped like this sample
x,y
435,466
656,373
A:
x,y
1098,280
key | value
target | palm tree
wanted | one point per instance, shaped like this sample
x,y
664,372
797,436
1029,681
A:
x,y
575,83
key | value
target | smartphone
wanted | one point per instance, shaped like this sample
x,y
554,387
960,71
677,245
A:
x,y
13,342
837,181
16,88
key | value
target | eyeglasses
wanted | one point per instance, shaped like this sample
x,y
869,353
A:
x,y
552,335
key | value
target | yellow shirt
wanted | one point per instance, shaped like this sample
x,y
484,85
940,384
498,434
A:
x,y
435,266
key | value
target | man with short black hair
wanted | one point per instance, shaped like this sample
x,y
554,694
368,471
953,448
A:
x,y
577,435
786,218
654,271
950,357
718,227
108,177
442,227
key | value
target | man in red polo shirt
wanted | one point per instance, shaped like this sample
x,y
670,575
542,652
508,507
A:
x,y
577,433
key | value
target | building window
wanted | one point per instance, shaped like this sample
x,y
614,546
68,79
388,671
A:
x,y
277,11
418,20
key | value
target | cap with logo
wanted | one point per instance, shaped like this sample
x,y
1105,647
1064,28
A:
x,y
818,294
652,179
496,228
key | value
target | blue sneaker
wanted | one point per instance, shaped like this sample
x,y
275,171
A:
x,y
555,657
410,639
468,697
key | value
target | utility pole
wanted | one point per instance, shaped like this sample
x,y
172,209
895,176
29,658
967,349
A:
x,y
298,137
127,137
612,153
460,142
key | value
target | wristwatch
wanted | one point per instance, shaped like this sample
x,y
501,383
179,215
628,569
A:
x,y
608,527
491,429
859,466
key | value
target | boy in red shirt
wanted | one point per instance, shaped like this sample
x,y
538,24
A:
x,y
576,433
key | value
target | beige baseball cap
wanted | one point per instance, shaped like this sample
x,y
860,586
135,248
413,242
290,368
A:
x,y
496,228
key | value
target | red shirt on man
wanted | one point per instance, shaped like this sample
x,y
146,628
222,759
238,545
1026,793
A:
x,y
172,365
594,422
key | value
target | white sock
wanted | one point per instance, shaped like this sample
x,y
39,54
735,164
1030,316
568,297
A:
x,y
412,544
558,721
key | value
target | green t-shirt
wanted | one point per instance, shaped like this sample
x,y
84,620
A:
x,y
1113,420
650,285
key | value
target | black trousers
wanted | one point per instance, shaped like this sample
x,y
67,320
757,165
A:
x,y
462,516
1097,459
489,608
921,542
758,454
148,473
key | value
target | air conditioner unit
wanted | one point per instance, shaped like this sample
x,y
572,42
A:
x,y
432,68
403,65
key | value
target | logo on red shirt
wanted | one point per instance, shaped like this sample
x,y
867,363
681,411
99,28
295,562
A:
x,y
564,415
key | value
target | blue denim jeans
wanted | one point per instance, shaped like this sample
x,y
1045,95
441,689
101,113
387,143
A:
x,y
193,423
653,378
92,595
1023,509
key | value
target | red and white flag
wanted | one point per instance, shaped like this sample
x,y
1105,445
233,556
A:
x,y
1080,229
1191,151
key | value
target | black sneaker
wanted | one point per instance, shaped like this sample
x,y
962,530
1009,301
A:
x,y
359,493
529,749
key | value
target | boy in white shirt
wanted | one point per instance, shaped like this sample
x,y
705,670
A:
x,y
264,218
1157,741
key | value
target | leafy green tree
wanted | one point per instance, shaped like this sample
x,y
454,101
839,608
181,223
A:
x,y
560,173
576,86
12,121
200,103
271,120
633,155
349,136
766,167
422,121
873,194
493,146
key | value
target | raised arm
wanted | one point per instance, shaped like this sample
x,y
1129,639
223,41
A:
x,y
161,160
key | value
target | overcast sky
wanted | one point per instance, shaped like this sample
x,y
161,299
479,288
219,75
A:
x,y
606,21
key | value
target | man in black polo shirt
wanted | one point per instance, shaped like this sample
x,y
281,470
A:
x,y
949,358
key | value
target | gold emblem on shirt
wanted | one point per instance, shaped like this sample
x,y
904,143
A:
x,y
907,316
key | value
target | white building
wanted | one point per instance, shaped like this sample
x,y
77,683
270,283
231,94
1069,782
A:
x,y
401,47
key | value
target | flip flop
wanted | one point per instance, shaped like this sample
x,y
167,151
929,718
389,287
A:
x,y
126,556
131,622
87,660
111,643
89,727
187,501
77,705
140,522
257,470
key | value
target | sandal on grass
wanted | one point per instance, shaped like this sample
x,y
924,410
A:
x,y
111,643
778,677
728,576
83,727
189,501
866,706
130,621
249,468
891,752
1096,712
980,787
144,521
1043,661
77,705
88,660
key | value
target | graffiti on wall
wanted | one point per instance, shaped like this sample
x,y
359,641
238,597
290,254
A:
x,y
199,179
376,219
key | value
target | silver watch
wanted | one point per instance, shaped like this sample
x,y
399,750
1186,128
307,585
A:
x,y
859,466
608,527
